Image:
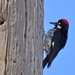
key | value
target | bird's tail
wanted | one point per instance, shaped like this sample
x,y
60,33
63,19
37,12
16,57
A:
x,y
45,61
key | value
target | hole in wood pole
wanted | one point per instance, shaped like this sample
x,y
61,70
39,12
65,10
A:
x,y
36,37
0,58
25,36
34,4
13,48
34,71
40,7
30,56
25,0
19,49
14,61
22,73
41,0
2,19
24,60
28,42
40,14
16,43
34,65
26,15
6,59
33,16
34,44
33,35
7,0
40,72
39,33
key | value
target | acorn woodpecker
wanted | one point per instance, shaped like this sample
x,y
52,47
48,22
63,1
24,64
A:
x,y
55,40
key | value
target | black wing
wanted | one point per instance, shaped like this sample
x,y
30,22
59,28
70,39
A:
x,y
54,48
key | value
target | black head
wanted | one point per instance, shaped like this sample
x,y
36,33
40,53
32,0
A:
x,y
61,24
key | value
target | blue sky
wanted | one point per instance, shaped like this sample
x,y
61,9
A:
x,y
64,63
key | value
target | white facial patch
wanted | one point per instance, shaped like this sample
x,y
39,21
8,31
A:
x,y
52,44
58,26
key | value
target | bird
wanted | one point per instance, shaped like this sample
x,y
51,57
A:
x,y
55,40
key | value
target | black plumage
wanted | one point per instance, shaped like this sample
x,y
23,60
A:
x,y
58,40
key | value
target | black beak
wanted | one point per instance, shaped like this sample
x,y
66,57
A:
x,y
54,23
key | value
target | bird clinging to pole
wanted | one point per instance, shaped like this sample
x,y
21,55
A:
x,y
55,40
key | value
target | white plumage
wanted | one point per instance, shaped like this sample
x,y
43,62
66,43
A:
x,y
48,39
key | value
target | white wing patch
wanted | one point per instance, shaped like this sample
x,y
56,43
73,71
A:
x,y
52,44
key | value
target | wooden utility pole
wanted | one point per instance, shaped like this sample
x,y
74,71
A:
x,y
21,37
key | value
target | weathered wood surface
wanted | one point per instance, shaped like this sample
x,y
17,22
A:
x,y
21,37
